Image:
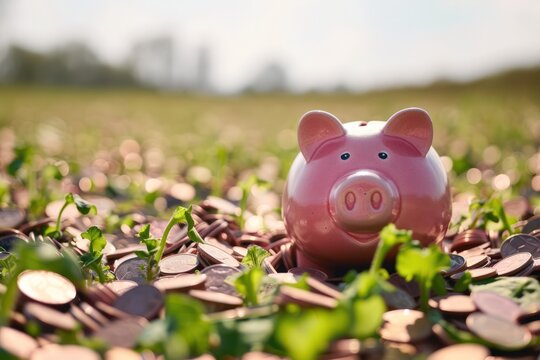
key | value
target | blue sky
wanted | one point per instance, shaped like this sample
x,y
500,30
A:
x,y
321,43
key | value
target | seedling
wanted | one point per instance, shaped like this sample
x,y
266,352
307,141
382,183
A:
x,y
156,247
246,187
484,212
83,206
249,282
93,259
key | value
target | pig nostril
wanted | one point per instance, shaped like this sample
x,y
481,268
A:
x,y
376,200
350,200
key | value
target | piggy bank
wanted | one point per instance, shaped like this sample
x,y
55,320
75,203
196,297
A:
x,y
350,180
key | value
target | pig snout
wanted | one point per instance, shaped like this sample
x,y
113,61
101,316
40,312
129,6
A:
x,y
364,202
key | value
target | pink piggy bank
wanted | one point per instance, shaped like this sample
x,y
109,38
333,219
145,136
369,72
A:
x,y
350,180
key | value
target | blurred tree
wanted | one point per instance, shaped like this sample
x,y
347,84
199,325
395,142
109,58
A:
x,y
272,78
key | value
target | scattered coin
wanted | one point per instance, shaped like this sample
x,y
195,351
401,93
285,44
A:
x,y
513,264
56,352
16,342
217,256
498,331
50,317
121,286
46,287
122,353
9,241
521,243
178,264
531,225
11,217
496,305
223,301
474,262
405,326
457,264
306,298
456,304
314,273
468,239
216,276
122,333
180,283
142,300
133,269
478,274
461,351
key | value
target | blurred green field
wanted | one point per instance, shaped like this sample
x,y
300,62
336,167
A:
x,y
492,125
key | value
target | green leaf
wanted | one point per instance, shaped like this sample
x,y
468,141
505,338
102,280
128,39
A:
x,y
97,240
367,316
462,285
255,257
144,233
248,283
83,206
389,237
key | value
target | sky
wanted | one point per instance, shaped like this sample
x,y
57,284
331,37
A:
x,y
321,44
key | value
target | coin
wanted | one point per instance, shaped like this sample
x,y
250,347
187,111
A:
x,y
121,333
122,353
217,256
453,304
461,351
305,298
223,300
10,241
142,300
496,305
216,276
121,286
120,253
323,288
178,263
314,273
513,264
405,326
531,225
17,343
477,274
457,264
521,243
468,239
474,262
46,287
181,283
133,269
56,352
11,217
50,317
498,331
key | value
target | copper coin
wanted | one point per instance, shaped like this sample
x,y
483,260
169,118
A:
x,y
494,253
16,342
453,304
531,225
46,287
50,317
120,253
496,305
306,298
56,352
133,269
240,251
405,326
181,283
121,286
498,331
217,256
314,273
478,274
513,264
461,351
521,243
323,288
474,262
457,264
143,300
468,239
178,264
121,333
216,298
11,217
122,353
216,276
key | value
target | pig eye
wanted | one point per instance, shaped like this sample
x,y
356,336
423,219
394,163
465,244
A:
x,y
345,156
383,155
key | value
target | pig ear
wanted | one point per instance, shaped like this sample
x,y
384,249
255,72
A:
x,y
412,125
315,128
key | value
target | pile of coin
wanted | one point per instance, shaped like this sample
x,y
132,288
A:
x,y
116,313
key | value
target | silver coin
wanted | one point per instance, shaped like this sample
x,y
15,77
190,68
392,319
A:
x,y
521,243
216,276
133,269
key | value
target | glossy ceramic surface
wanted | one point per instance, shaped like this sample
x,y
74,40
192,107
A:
x,y
352,179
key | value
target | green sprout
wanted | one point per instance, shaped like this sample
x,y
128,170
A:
x,y
152,268
93,259
249,282
83,206
246,187
484,212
